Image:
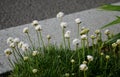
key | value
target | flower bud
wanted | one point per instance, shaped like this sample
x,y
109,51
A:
x,y
107,57
35,23
97,32
90,58
25,58
67,74
60,15
48,37
84,37
107,32
63,25
78,20
114,45
72,60
38,28
76,42
25,30
92,37
84,62
34,71
8,52
83,67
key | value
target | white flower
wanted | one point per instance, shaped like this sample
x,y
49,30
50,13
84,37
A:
x,y
20,44
63,24
38,28
82,28
12,45
92,37
107,57
48,37
60,15
72,60
67,74
114,45
118,41
25,58
97,32
35,53
9,40
25,47
84,62
90,58
16,40
76,41
83,37
8,52
35,23
83,67
34,71
107,32
25,30
78,20
101,53
67,34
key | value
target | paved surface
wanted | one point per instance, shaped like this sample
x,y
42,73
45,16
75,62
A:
x,y
93,19
18,12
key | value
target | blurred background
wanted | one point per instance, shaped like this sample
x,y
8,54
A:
x,y
18,12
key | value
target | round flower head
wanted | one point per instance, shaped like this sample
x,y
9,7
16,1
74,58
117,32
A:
x,y
84,62
20,44
38,28
16,40
12,45
82,28
35,23
35,53
63,24
83,67
48,37
34,71
8,52
101,53
97,32
78,20
107,57
67,34
60,15
83,37
76,42
67,74
89,58
118,41
92,37
114,45
25,58
107,32
25,47
72,60
9,40
25,30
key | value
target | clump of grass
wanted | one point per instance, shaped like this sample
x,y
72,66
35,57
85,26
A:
x,y
98,60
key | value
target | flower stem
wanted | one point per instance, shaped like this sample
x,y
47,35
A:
x,y
41,39
38,38
83,47
30,40
78,30
84,74
68,43
63,32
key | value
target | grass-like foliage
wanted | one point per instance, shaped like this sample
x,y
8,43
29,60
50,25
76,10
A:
x,y
98,60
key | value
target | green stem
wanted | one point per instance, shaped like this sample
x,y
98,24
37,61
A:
x,y
78,30
83,47
11,64
93,47
41,39
30,40
63,32
84,74
68,43
38,38
106,68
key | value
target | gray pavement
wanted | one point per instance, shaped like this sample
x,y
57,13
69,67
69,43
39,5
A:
x,y
18,12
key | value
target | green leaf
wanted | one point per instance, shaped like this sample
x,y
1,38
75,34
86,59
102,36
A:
x,y
112,40
117,21
111,7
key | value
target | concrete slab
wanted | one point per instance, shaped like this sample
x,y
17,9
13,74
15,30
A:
x,y
92,19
